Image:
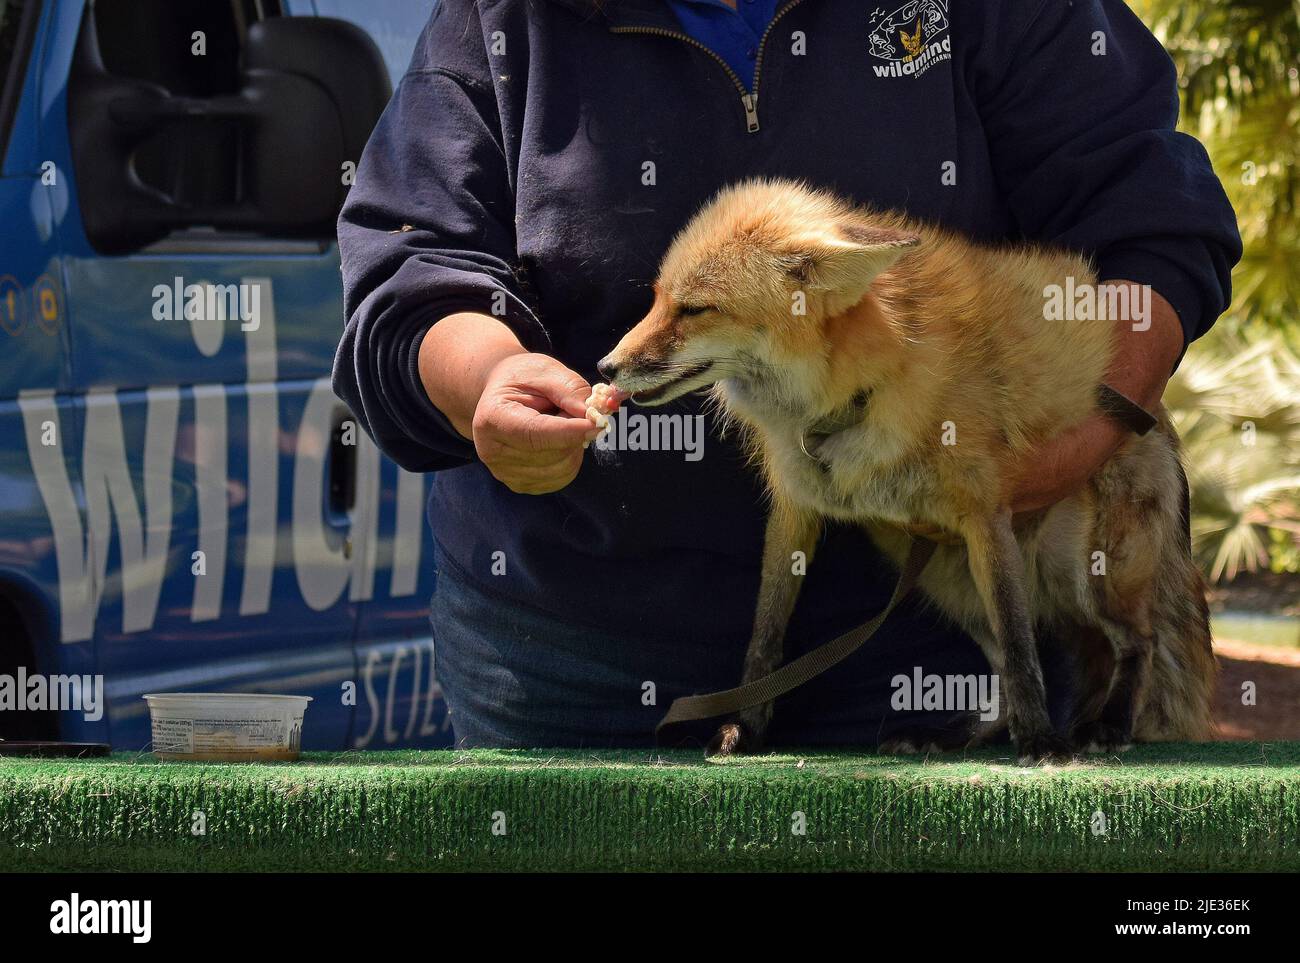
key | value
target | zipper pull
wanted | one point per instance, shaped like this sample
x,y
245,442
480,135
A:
x,y
750,103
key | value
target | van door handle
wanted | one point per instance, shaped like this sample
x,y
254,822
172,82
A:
x,y
342,472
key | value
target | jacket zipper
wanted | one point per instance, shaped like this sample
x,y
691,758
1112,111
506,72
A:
x,y
748,98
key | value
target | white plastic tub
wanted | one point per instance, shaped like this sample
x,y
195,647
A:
x,y
217,727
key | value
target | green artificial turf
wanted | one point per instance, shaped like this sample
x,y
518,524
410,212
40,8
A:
x,y
1174,807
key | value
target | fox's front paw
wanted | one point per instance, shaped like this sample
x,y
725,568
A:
x,y
1102,736
732,739
1043,747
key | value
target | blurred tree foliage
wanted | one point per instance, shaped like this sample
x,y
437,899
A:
x,y
1239,70
1236,398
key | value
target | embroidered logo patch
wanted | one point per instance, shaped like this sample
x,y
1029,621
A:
x,y
911,39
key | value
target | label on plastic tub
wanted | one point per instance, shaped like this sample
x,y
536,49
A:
x,y
217,735
173,735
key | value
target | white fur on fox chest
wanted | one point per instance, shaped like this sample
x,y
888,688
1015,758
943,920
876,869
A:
x,y
861,473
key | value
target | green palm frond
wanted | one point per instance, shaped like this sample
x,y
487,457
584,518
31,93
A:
x,y
1228,49
1237,407
1239,73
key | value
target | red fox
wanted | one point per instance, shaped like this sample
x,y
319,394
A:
x,y
889,373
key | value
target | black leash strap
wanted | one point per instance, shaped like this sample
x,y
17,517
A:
x,y
809,666
1124,410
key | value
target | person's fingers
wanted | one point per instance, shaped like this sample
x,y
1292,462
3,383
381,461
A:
x,y
508,459
531,425
1063,465
519,426
550,386
533,473
538,479
508,452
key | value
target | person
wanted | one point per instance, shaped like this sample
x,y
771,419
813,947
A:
x,y
504,231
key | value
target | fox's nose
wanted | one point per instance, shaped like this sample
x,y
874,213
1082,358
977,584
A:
x,y
607,368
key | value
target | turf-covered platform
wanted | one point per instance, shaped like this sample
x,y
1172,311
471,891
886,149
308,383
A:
x,y
1207,807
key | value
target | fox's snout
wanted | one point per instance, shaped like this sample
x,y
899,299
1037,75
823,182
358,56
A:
x,y
635,356
656,362
646,354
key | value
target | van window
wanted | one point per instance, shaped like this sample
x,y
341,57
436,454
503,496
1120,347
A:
x,y
17,25
189,48
154,40
216,116
394,25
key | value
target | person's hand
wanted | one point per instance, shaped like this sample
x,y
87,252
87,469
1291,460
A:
x,y
531,424
1063,465
1143,361
525,413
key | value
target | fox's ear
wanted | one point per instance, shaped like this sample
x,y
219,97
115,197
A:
x,y
843,262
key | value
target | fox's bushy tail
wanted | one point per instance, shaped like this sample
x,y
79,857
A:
x,y
1180,692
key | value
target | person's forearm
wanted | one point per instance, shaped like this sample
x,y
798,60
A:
x,y
456,356
1145,351
1145,354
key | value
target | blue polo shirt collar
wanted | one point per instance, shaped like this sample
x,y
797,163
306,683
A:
x,y
733,35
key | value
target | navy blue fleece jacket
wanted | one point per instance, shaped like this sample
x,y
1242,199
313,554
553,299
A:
x,y
542,155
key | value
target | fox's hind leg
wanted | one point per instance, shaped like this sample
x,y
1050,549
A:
x,y
1151,602
789,530
1111,730
1127,614
1111,592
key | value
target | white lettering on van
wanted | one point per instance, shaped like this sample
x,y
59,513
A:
x,y
323,569
263,440
213,497
142,544
425,695
406,550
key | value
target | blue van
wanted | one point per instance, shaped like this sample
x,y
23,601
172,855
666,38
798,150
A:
x,y
184,504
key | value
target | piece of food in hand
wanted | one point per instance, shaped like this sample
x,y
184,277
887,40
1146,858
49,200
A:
x,y
603,402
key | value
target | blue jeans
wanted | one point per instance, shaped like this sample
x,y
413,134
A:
x,y
516,676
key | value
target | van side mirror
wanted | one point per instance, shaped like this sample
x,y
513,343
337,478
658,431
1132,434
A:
x,y
268,159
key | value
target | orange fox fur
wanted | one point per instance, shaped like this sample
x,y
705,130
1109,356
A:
x,y
797,307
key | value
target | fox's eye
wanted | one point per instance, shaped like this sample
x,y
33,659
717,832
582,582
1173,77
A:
x,y
691,310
